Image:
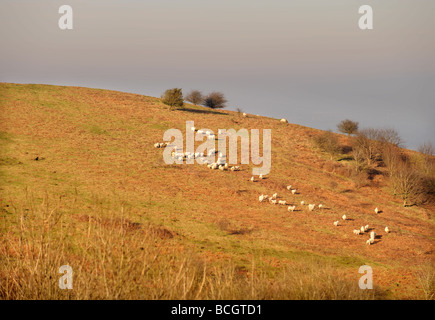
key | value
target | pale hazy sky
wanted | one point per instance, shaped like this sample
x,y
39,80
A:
x,y
304,60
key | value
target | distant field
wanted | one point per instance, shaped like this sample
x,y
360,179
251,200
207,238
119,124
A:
x,y
81,184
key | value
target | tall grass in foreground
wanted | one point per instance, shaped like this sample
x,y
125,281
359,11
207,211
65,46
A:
x,y
113,257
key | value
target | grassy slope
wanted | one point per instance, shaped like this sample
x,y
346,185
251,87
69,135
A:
x,y
97,147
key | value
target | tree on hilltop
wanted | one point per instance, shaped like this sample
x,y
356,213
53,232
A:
x,y
173,98
215,100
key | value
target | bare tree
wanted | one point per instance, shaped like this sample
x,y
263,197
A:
x,y
389,136
348,126
365,145
408,184
173,98
428,163
427,149
215,100
195,97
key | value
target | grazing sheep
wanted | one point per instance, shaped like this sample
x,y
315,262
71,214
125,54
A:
x,y
376,210
252,179
336,223
272,201
387,230
261,198
236,168
283,120
366,228
294,191
226,165
311,207
357,232
291,208
372,235
320,206
362,230
157,145
289,187
302,203
260,176
221,167
344,217
274,195
193,129
244,114
282,202
369,242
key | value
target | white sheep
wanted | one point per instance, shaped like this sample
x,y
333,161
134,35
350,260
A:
x,y
320,206
366,228
344,217
162,145
157,145
372,235
282,202
252,179
291,208
244,114
376,210
369,242
311,207
260,176
289,187
302,203
283,120
221,167
261,198
272,201
294,191
274,195
356,231
362,229
193,129
387,230
336,223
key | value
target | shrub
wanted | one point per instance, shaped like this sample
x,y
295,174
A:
x,y
215,100
328,143
195,97
173,98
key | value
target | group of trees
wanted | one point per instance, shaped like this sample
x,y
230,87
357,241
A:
x,y
410,179
411,175
174,99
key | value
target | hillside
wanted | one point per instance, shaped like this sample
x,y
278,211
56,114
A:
x,y
81,183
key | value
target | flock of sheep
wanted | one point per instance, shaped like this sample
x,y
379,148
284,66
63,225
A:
x,y
221,164
291,208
